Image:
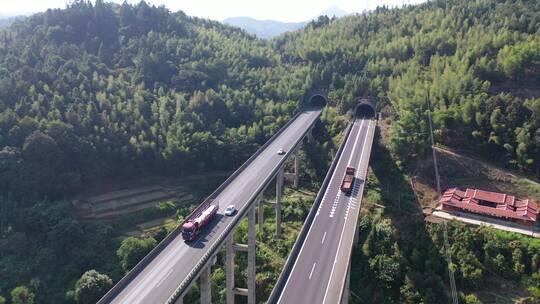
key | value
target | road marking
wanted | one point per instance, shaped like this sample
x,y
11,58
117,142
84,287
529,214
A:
x,y
309,231
355,142
345,223
334,205
172,257
324,236
166,276
312,268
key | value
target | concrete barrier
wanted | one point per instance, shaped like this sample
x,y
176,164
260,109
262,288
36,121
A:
x,y
189,280
280,284
118,287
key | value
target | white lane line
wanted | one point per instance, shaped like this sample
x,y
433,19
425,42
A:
x,y
344,224
164,277
169,258
334,205
355,142
312,268
336,201
323,237
309,231
150,279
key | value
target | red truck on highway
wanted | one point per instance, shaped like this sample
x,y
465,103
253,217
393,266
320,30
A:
x,y
348,179
192,228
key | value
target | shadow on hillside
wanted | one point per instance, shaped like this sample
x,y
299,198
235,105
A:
x,y
317,153
421,261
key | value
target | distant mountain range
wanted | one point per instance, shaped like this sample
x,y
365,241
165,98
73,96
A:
x,y
334,11
7,21
271,28
264,28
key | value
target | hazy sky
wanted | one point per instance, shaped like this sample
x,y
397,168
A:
x,y
282,10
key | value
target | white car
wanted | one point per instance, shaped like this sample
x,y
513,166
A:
x,y
230,210
281,151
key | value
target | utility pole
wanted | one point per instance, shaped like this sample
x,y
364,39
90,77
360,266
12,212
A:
x,y
437,177
453,289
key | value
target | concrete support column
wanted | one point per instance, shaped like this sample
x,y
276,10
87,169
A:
x,y
310,135
347,290
180,300
279,192
229,268
296,167
206,287
251,256
356,235
261,212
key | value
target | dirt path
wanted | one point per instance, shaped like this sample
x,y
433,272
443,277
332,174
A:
x,y
458,170
488,166
138,195
142,182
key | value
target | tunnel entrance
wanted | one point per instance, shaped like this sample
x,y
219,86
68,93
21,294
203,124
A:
x,y
317,101
365,110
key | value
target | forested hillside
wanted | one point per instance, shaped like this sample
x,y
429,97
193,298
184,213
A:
x,y
95,91
102,92
477,65
476,62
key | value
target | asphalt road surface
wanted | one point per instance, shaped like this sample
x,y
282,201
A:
x,y
160,278
317,276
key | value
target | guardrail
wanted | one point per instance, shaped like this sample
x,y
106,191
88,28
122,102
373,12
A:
x,y
115,291
221,238
348,250
280,284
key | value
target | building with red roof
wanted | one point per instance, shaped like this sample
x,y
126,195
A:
x,y
499,205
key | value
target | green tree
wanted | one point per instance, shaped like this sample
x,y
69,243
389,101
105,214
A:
x,y
472,299
386,269
533,286
408,293
91,287
133,249
22,295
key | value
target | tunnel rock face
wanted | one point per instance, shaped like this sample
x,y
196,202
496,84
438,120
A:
x,y
318,101
365,109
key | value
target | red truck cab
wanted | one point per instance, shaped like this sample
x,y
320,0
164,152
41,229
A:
x,y
192,227
348,180
189,231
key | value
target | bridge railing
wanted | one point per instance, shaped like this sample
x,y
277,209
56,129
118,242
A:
x,y
118,287
280,284
240,214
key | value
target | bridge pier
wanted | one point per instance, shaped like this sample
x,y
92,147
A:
x,y
180,300
229,268
206,287
296,168
261,212
356,239
232,291
279,192
347,289
251,256
309,136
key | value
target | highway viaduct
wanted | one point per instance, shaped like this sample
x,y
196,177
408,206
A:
x,y
169,270
167,273
319,263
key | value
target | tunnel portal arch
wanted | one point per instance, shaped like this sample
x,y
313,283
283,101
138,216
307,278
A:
x,y
318,100
365,109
